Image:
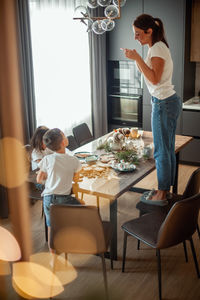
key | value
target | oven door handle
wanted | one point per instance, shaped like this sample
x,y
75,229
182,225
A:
x,y
127,97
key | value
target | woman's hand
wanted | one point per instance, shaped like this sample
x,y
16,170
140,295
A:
x,y
131,54
154,73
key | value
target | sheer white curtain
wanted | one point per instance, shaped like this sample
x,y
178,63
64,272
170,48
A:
x,y
61,65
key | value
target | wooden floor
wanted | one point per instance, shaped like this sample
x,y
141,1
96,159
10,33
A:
x,y
139,281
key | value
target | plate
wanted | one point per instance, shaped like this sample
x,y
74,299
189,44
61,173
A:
x,y
124,170
82,155
91,158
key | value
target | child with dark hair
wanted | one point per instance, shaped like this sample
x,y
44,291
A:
x,y
57,170
38,148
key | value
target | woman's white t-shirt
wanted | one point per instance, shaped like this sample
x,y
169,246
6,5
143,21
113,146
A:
x,y
164,88
60,169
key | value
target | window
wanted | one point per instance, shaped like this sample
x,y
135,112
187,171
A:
x,y
61,65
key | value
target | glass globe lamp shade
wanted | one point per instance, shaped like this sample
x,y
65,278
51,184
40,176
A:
x,y
104,2
108,24
80,11
97,27
111,11
122,2
92,3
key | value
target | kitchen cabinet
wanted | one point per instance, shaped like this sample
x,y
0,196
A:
x,y
191,154
195,29
191,127
191,123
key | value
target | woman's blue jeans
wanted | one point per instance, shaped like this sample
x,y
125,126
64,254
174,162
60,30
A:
x,y
163,121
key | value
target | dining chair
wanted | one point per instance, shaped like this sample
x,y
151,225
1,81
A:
x,y
72,143
79,229
192,188
82,134
160,231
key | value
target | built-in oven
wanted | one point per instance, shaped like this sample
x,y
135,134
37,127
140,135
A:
x,y
125,110
125,92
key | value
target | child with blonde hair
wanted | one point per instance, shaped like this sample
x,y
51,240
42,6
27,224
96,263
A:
x,y
57,170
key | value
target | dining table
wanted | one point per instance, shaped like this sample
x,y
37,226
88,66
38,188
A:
x,y
102,181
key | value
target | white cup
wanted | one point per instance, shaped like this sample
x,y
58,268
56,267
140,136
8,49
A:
x,y
196,100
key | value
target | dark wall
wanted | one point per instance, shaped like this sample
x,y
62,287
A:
x,y
122,35
172,14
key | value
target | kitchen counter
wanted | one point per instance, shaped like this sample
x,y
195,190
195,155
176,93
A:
x,y
190,105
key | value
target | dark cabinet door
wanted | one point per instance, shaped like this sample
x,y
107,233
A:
x,y
191,152
191,127
191,123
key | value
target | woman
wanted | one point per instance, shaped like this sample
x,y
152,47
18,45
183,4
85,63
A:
x,y
157,70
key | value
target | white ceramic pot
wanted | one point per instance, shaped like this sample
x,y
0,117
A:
x,y
116,146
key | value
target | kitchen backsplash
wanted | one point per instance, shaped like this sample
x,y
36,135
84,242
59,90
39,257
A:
x,y
197,79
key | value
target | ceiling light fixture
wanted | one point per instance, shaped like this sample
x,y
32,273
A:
x,y
99,25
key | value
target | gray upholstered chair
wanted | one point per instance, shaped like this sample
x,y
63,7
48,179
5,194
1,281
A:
x,y
79,229
192,188
72,143
82,134
160,231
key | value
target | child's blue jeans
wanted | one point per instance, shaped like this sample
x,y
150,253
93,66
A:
x,y
56,199
163,121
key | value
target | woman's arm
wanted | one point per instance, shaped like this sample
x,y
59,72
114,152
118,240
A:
x,y
152,74
41,177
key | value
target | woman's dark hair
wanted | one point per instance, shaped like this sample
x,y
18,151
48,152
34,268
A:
x,y
145,22
53,138
36,140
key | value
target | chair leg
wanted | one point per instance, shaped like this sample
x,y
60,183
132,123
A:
x,y
42,214
138,244
111,256
66,259
82,197
46,229
185,251
124,251
98,204
138,241
198,230
194,256
159,273
104,274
